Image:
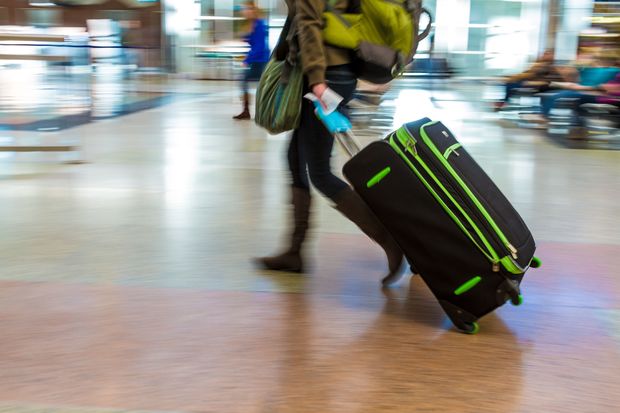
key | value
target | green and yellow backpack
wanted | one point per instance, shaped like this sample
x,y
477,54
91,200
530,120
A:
x,y
384,35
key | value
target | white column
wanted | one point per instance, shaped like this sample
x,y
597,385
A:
x,y
575,18
535,20
181,26
224,28
451,25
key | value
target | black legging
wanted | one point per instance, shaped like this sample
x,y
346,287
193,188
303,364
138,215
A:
x,y
311,144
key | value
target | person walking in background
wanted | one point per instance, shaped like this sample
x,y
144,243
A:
x,y
258,56
310,148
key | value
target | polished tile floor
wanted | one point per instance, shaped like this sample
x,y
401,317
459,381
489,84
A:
x,y
126,284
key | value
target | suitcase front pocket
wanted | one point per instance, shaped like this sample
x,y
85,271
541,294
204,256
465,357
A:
x,y
443,139
495,203
471,196
445,198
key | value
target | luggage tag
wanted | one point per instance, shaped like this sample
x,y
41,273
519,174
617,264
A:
x,y
330,98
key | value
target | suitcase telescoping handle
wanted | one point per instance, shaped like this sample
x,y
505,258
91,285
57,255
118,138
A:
x,y
339,126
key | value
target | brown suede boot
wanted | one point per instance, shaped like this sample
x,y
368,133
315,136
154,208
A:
x,y
246,109
290,260
354,208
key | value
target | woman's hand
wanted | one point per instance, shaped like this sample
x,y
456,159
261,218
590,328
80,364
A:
x,y
318,91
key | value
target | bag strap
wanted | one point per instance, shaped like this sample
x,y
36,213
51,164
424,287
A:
x,y
415,7
285,30
293,44
427,29
289,35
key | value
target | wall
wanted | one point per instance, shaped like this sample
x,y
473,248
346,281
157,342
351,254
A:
x,y
148,35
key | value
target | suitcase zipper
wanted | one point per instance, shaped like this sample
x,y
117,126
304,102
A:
x,y
408,143
409,146
452,150
477,206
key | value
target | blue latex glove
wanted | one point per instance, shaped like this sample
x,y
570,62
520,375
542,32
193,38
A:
x,y
335,122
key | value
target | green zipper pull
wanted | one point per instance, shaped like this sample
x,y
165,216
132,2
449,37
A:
x,y
452,150
407,141
410,146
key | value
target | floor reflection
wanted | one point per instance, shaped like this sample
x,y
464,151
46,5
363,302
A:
x,y
34,101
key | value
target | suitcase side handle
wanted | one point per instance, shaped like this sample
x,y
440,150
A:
x,y
339,126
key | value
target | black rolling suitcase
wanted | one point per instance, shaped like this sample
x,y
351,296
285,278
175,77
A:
x,y
454,225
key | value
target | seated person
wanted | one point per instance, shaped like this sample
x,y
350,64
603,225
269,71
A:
x,y
608,93
590,86
538,76
611,92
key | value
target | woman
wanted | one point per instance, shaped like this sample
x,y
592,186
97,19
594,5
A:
x,y
587,84
538,76
311,144
257,57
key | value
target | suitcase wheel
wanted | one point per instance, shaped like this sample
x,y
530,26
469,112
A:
x,y
517,301
535,263
471,328
462,320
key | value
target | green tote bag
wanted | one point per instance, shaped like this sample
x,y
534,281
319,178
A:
x,y
278,97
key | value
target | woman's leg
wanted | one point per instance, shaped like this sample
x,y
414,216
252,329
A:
x,y
297,163
510,88
582,113
312,145
245,114
317,144
290,259
549,102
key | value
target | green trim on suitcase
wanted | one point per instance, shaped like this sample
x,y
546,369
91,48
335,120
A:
x,y
491,254
378,177
406,138
511,265
468,191
450,149
409,142
468,285
446,208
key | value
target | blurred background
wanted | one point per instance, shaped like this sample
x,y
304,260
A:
x,y
74,55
